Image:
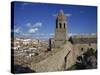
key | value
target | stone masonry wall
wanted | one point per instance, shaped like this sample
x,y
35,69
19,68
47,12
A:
x,y
54,62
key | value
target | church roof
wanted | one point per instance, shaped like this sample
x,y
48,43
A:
x,y
84,40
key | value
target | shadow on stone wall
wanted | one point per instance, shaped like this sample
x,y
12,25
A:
x,y
19,69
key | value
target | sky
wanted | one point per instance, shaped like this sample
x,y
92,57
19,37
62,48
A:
x,y
38,20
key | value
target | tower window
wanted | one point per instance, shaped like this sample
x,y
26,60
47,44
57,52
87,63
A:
x,y
64,25
60,25
82,49
56,26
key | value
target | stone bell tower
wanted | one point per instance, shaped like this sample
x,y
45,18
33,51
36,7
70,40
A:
x,y
60,30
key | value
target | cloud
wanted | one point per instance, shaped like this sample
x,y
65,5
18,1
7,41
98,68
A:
x,y
37,24
93,33
33,30
45,34
28,25
26,34
66,14
54,15
81,34
42,34
52,34
72,34
17,30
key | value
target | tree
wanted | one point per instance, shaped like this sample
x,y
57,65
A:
x,y
88,60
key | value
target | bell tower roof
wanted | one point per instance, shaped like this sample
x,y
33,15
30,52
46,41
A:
x,y
61,15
